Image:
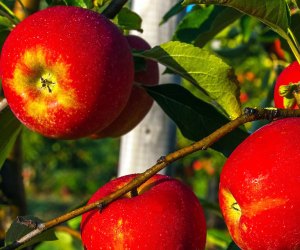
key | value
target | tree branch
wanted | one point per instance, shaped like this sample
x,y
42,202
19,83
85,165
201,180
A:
x,y
250,114
114,8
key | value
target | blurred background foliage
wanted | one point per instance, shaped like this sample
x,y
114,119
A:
x,y
66,169
59,175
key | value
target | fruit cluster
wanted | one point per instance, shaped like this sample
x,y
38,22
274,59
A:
x,y
68,72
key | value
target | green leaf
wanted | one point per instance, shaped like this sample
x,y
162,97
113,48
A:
x,y
274,13
176,9
218,237
8,3
202,24
6,23
195,118
220,18
233,246
25,225
295,27
10,127
190,26
79,3
65,241
128,20
202,68
102,2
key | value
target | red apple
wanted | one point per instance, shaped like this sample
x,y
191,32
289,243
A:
x,y
287,87
164,215
66,72
259,188
139,102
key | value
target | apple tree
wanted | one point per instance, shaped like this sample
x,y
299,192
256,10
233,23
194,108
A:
x,y
69,72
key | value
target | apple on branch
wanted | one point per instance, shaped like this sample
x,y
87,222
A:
x,y
66,72
287,87
259,188
139,102
163,214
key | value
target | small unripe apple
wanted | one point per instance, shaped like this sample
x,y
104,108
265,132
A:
x,y
287,87
66,72
259,188
164,214
139,102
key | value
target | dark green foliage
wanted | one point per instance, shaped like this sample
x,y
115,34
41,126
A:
x,y
233,246
10,127
195,118
202,24
128,20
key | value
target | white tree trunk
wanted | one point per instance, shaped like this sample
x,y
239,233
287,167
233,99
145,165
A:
x,y
155,135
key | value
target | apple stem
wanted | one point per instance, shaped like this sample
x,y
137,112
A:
x,y
133,193
249,115
235,206
296,94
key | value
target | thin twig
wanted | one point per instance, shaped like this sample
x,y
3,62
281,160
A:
x,y
3,104
9,14
250,114
13,22
7,9
70,231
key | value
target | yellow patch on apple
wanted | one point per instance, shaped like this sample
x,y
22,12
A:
x,y
120,235
233,212
42,80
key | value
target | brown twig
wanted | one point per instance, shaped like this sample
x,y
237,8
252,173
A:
x,y
250,114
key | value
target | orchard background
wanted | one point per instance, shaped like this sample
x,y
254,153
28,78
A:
x,y
252,40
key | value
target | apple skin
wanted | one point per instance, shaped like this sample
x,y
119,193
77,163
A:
x,y
85,63
164,215
259,188
139,102
291,74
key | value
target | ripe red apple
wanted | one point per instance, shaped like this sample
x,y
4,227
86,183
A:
x,y
66,72
287,90
139,102
259,188
164,215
